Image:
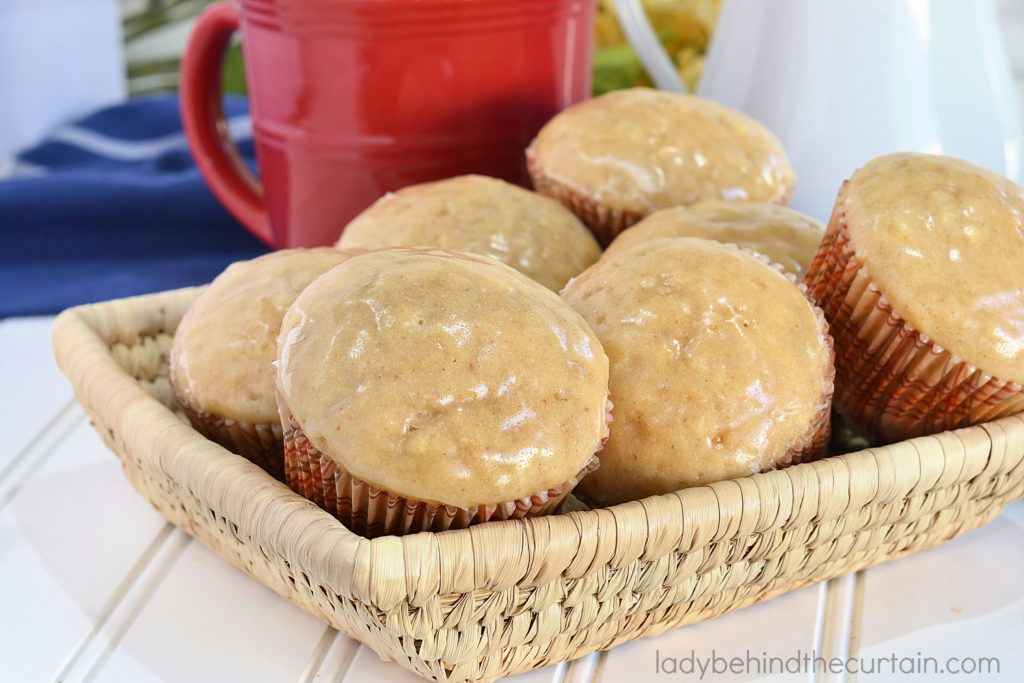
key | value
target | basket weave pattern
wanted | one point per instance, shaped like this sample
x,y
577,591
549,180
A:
x,y
505,597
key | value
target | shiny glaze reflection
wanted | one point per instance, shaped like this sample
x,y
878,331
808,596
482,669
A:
x,y
785,236
718,365
223,348
944,240
443,378
534,234
642,150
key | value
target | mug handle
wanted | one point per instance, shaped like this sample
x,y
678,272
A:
x,y
205,128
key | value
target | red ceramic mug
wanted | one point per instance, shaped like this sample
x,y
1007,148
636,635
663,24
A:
x,y
354,98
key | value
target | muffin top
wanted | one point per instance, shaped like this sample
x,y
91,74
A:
x,y
444,377
720,367
641,150
534,234
223,351
944,240
785,236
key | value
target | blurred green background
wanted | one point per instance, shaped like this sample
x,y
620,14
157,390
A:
x,y
155,33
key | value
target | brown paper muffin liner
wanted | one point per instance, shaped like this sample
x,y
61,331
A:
x,y
603,221
891,380
261,444
370,511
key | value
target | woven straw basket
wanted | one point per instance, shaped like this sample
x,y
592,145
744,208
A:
x,y
505,597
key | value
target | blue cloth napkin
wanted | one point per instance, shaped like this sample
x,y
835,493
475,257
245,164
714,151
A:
x,y
112,206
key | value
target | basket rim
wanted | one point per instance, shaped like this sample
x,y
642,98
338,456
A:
x,y
388,570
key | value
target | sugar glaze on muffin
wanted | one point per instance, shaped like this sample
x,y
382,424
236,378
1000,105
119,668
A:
x,y
619,157
787,237
221,360
919,274
443,377
528,231
719,367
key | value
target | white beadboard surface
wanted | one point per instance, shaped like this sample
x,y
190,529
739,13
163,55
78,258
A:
x,y
99,587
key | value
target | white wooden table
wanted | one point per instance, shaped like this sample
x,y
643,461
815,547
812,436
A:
x,y
96,586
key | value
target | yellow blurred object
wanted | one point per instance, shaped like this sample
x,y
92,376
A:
x,y
684,27
690,62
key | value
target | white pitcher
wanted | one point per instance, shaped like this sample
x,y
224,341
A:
x,y
841,82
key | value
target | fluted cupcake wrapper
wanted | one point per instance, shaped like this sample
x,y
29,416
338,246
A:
x,y
891,380
370,511
603,221
261,444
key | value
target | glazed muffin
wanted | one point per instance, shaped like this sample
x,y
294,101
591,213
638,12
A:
x,y
720,367
785,236
919,274
425,389
619,157
221,359
530,232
